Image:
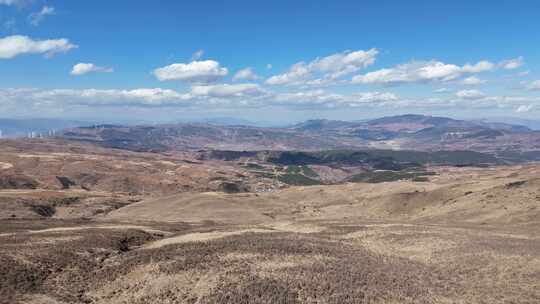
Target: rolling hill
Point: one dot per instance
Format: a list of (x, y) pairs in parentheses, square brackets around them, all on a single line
[(404, 132)]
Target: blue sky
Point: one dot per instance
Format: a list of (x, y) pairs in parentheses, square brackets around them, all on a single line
[(274, 61)]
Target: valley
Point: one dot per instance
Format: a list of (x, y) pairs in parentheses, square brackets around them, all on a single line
[(84, 223)]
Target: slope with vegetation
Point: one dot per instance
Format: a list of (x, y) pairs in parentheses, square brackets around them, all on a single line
[(413, 132)]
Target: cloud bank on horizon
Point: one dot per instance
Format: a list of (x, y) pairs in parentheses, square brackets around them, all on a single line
[(363, 80)]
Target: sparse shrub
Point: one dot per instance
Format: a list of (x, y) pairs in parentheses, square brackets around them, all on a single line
[(43, 210), (297, 180)]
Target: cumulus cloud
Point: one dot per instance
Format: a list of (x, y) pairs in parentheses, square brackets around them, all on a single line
[(13, 46), (197, 71), (85, 68), (421, 72), (344, 63), (481, 66), (245, 74), (473, 80), (326, 69), (36, 18), (512, 64), (296, 74), (470, 94), (410, 73)]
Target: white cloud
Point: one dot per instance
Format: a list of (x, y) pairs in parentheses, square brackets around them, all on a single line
[(155, 96), (238, 96), (36, 18), (410, 73), (245, 74), (441, 90), (13, 46), (470, 94), (524, 108), (473, 80), (296, 74), (421, 72), (222, 95), (307, 98), (512, 64), (84, 68), (534, 86), (344, 63), (371, 97), (321, 98), (98, 97), (481, 66), (228, 90), (198, 96), (197, 55), (197, 71), (328, 68)]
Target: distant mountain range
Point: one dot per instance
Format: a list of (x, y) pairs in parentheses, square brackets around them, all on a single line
[(409, 123), (404, 132), (531, 124)]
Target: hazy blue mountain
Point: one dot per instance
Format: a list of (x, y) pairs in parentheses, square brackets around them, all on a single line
[(529, 123)]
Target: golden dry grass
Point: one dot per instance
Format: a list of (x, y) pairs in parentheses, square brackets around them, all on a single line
[(468, 235)]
